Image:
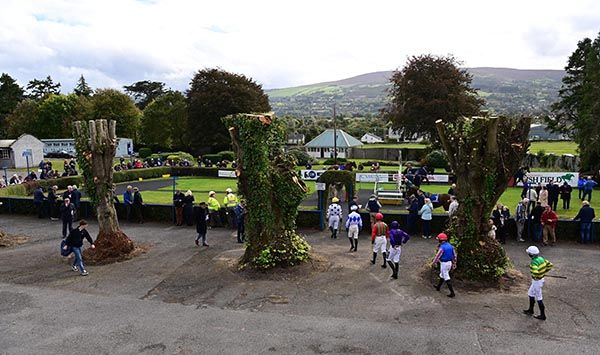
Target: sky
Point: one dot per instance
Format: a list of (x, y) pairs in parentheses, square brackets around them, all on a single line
[(278, 43)]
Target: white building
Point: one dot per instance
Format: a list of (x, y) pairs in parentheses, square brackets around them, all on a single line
[(67, 146), (322, 146), (394, 134), (370, 138), (295, 139), (17, 153)]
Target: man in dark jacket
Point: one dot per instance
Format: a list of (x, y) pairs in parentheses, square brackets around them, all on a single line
[(67, 210), (138, 203), (553, 193), (240, 215), (75, 242), (413, 215), (53, 202), (201, 216), (565, 195), (536, 221), (585, 215), (76, 200), (178, 203), (38, 201)]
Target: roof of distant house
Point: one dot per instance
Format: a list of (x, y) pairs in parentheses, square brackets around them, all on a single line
[(371, 135), (325, 139)]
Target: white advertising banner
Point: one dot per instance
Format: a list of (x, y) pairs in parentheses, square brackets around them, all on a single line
[(536, 178), (372, 177), (227, 174), (431, 177), (310, 174)]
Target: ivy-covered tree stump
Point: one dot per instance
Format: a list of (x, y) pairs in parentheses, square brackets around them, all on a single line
[(96, 144), (267, 180), (484, 153)]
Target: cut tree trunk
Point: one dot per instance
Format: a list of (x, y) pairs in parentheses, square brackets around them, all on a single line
[(111, 241), (484, 153)]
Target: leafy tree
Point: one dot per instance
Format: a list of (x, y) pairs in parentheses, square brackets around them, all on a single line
[(36, 89), (214, 94), (23, 119), (143, 92), (110, 104), (164, 122), (56, 114), (10, 95), (577, 112), (82, 88), (429, 88)]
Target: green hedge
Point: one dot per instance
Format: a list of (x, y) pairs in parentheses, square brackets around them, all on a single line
[(13, 190), (214, 158), (179, 155), (227, 155), (145, 152), (135, 174), (331, 161), (194, 171)]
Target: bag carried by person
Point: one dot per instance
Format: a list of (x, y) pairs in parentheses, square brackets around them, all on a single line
[(64, 252)]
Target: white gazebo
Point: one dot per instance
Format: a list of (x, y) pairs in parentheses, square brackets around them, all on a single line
[(322, 146)]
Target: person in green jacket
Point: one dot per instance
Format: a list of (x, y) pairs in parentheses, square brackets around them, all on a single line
[(213, 209), (538, 268)]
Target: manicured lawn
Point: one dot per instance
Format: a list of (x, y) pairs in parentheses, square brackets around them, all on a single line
[(395, 145), (558, 148)]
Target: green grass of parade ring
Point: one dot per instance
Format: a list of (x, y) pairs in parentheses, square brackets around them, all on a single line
[(200, 186)]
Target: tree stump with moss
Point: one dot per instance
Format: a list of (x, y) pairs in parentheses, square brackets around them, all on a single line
[(484, 153), (96, 147), (268, 181)]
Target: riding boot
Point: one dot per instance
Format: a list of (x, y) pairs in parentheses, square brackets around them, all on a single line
[(384, 261), (439, 285), (355, 244), (529, 311), (335, 234), (374, 258), (397, 266), (542, 315), (331, 230), (351, 244), (391, 264), (449, 283)]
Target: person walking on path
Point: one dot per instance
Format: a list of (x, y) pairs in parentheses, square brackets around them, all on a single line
[(240, 212), (334, 216), (75, 242), (178, 203), (353, 226), (380, 232), (202, 216), (521, 218), (426, 213), (447, 257), (138, 204), (373, 206), (38, 201), (565, 195), (67, 211), (213, 208), (188, 208), (585, 216), (128, 202), (549, 221), (230, 202), (588, 187), (398, 237), (538, 267)]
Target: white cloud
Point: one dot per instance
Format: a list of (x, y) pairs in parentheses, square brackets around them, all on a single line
[(278, 43)]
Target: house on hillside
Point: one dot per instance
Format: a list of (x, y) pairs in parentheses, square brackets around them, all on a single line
[(395, 134), (67, 146), (370, 138), (296, 139), (540, 132), (18, 153), (322, 146)]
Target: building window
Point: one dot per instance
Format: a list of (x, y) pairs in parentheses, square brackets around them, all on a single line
[(4, 153)]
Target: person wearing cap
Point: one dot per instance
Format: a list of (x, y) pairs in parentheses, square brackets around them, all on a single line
[(75, 242), (334, 216), (353, 226), (213, 209), (373, 206), (230, 202), (538, 267), (446, 256), (585, 216), (521, 218), (379, 234), (397, 238)]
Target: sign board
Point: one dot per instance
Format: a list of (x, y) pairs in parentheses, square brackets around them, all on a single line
[(227, 174), (372, 177), (321, 186), (310, 174), (27, 153), (536, 178)]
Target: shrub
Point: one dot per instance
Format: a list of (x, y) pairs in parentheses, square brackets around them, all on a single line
[(227, 155), (179, 156), (145, 152), (331, 161), (214, 158), (135, 174), (302, 157), (437, 159)]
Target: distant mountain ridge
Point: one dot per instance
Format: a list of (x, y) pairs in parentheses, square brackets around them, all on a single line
[(506, 91)]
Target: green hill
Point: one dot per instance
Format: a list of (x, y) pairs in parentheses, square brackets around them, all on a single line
[(506, 91)]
